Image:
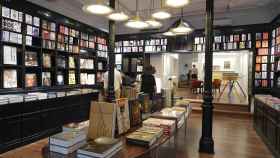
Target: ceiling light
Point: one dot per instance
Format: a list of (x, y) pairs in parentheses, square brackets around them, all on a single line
[(99, 7), (177, 3), (161, 15), (182, 28), (136, 23), (153, 23), (169, 33), (118, 16)]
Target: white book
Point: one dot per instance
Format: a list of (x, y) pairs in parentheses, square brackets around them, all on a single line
[(14, 14), (6, 36), (68, 150), (28, 19), (6, 12), (36, 21), (10, 55), (29, 30)]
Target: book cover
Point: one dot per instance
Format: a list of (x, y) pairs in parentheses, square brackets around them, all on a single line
[(10, 55), (30, 80), (10, 78), (72, 78), (123, 119), (94, 149), (31, 58), (91, 79), (46, 79), (60, 78), (102, 120), (71, 62), (46, 60), (83, 78), (60, 60), (6, 12)]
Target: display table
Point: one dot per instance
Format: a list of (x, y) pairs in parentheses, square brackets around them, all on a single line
[(131, 151), (28, 121), (267, 121)]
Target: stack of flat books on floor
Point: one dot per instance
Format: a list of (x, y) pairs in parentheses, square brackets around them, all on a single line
[(145, 136), (40, 95), (167, 125), (67, 142), (100, 148)]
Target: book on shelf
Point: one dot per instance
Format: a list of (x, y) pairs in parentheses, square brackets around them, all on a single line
[(91, 79), (46, 79), (71, 62), (6, 12), (46, 60), (94, 149), (83, 78), (72, 77), (30, 80), (9, 55), (123, 119), (60, 78), (60, 60), (10, 78), (31, 58), (100, 66), (102, 120)]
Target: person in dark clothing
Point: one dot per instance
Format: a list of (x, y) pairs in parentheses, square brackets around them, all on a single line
[(148, 84)]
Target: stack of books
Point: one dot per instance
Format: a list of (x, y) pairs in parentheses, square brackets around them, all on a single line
[(96, 149), (167, 125), (51, 95), (60, 94), (74, 92), (40, 96), (30, 97), (145, 136), (67, 142), (16, 98), (175, 112), (74, 127), (3, 100)]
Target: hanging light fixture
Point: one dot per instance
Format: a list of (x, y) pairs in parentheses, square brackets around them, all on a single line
[(182, 26), (152, 22), (99, 7), (177, 3), (161, 14), (118, 15), (169, 33), (136, 22)]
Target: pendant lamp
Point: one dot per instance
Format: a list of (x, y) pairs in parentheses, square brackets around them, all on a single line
[(99, 7), (176, 3), (182, 26), (152, 22), (136, 22), (161, 14), (118, 15)]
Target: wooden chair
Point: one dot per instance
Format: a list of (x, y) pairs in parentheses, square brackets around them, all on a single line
[(197, 85), (216, 85)]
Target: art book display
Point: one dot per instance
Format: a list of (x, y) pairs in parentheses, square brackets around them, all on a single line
[(102, 120), (123, 118), (9, 55), (10, 78)]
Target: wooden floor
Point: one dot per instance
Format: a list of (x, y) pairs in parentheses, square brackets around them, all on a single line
[(234, 138)]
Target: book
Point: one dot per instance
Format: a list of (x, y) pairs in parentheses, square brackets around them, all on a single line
[(68, 138), (60, 78), (10, 79), (31, 58), (72, 77), (141, 138), (94, 149), (60, 60), (91, 79), (30, 80), (68, 150), (100, 66), (123, 119), (83, 78), (102, 120), (71, 62), (9, 55), (46, 60), (6, 12), (46, 79)]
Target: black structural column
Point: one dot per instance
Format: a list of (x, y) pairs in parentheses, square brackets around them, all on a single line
[(111, 49), (206, 144)]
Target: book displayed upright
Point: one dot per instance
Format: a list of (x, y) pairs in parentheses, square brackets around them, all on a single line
[(10, 78), (9, 55)]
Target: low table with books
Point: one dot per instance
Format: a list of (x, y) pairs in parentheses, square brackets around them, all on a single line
[(142, 141)]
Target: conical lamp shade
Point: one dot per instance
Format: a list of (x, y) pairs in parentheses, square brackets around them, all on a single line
[(98, 7), (182, 28)]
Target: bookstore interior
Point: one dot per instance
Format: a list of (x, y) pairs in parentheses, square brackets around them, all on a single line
[(180, 63)]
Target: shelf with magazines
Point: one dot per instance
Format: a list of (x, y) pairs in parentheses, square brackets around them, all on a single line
[(41, 52), (275, 60)]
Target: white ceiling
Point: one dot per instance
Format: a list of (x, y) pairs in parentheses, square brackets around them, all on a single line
[(241, 11)]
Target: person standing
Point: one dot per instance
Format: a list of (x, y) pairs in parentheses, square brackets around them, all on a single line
[(117, 82), (194, 73), (148, 82)]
